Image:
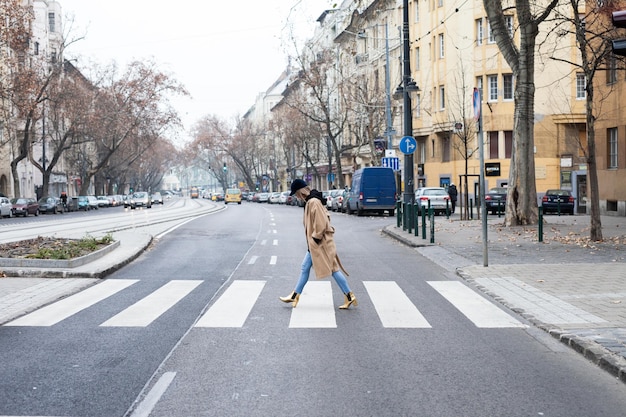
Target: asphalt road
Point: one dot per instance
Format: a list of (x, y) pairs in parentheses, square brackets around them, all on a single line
[(228, 346)]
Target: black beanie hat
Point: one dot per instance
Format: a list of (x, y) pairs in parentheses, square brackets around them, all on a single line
[(296, 185)]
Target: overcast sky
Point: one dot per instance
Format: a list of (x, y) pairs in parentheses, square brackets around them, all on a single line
[(224, 52)]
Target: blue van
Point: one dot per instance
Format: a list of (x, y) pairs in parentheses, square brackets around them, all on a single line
[(373, 190)]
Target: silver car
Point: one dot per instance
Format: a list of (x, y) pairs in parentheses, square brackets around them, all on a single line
[(140, 199), (437, 196), (6, 207)]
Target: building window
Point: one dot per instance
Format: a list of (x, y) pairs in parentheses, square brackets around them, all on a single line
[(51, 23), (611, 71), (508, 144), (36, 48), (492, 84), (508, 21), (418, 104), (440, 3), (507, 86), (491, 37), (581, 86), (442, 45), (53, 56), (417, 59), (493, 145), (445, 149), (479, 32), (417, 12), (612, 147), (442, 97), (479, 85)]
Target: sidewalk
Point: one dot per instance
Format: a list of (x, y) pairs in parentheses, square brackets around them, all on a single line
[(566, 285)]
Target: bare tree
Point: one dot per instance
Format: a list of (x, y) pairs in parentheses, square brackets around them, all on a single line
[(521, 202), (593, 32)]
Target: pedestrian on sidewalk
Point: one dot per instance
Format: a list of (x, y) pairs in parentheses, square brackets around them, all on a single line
[(322, 252), (453, 193)]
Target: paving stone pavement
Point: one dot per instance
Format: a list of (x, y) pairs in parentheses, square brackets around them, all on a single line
[(569, 286)]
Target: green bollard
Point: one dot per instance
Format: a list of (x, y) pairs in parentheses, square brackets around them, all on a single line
[(403, 215), (398, 214), (471, 209), (558, 205), (499, 208), (447, 209), (540, 224), (431, 215), (415, 216), (409, 216), (423, 223)]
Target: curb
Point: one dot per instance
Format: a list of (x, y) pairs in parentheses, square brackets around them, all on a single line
[(599, 355), (391, 233), (58, 263)]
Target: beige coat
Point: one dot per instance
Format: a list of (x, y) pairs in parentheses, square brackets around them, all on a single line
[(317, 225)]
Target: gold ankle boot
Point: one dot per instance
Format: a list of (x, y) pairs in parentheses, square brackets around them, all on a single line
[(349, 299), (293, 299)]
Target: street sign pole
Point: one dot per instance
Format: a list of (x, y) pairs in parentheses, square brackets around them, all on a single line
[(477, 102)]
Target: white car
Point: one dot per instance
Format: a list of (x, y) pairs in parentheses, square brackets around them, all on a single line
[(274, 198), (5, 207), (284, 196), (93, 202), (438, 197)]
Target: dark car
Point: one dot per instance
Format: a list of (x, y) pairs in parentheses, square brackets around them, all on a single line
[(25, 206), (495, 200), (52, 205), (558, 201)]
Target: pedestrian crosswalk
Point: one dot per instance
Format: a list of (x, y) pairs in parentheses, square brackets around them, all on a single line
[(316, 309)]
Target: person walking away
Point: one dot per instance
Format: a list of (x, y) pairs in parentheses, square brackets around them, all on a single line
[(322, 252), (453, 193)]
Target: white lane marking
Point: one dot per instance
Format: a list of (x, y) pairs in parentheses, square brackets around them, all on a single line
[(148, 309), (273, 260), (476, 308), (315, 308), (252, 260), (394, 308), (150, 401), (234, 306), (275, 242), (263, 242), (54, 313)]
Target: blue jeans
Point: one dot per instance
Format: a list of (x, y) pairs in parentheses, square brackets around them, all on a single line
[(307, 264)]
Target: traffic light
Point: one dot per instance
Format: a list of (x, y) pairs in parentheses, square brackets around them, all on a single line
[(225, 169), (619, 20)]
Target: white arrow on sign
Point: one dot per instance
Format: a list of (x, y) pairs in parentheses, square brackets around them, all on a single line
[(409, 145)]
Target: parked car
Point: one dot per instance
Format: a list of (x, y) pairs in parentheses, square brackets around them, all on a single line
[(24, 206), (80, 203), (103, 201), (495, 200), (140, 199), (558, 201), (337, 202), (157, 198), (332, 194), (6, 208), (263, 197), (284, 197), (274, 198), (373, 189), (93, 202), (438, 197), (52, 205), (233, 195)]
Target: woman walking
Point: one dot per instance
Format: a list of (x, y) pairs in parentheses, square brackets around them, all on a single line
[(322, 252)]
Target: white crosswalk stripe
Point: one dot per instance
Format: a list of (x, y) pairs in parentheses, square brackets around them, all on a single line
[(149, 308), (316, 308), (393, 306), (480, 311), (54, 313), (234, 306)]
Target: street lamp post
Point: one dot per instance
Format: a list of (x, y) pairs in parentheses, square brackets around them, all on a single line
[(408, 86)]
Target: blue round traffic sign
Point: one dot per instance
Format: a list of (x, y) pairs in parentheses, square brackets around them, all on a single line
[(408, 145)]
